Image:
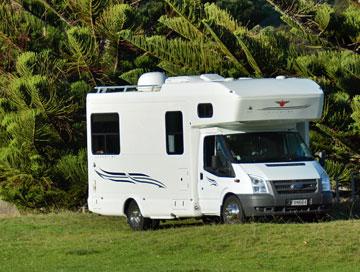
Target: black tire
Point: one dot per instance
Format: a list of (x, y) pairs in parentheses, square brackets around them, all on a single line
[(231, 211), (135, 219)]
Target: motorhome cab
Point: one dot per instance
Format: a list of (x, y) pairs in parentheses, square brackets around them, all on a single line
[(202, 146)]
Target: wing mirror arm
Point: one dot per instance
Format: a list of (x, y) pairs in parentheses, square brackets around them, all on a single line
[(320, 157)]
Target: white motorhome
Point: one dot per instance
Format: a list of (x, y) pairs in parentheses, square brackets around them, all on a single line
[(204, 146)]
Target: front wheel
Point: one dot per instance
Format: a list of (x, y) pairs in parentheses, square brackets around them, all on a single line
[(231, 211)]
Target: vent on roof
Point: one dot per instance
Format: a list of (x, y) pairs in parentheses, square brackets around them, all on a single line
[(211, 77), (179, 79)]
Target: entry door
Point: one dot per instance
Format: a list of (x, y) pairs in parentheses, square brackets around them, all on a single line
[(215, 173)]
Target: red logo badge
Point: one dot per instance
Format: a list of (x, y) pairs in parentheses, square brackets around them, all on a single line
[(282, 102)]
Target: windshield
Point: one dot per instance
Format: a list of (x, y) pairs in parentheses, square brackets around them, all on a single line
[(267, 147)]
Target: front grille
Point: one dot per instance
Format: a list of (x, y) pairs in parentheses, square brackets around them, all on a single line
[(299, 186)]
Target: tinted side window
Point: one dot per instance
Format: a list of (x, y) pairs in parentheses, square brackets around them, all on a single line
[(209, 151), (105, 137), (174, 132), (215, 159), (205, 110)]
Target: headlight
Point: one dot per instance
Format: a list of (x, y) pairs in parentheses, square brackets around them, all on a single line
[(258, 185), (325, 182)]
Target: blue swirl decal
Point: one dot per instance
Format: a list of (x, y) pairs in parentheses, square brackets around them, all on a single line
[(134, 178), (212, 181)]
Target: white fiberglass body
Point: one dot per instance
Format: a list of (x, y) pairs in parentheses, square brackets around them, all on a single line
[(179, 149)]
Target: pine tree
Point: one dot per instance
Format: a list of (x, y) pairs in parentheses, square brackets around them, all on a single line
[(54, 52), (328, 37), (205, 38), (70, 46)]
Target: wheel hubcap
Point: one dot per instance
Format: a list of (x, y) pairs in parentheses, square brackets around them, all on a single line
[(231, 213), (135, 217)]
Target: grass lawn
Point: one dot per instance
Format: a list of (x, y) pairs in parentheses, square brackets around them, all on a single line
[(88, 242)]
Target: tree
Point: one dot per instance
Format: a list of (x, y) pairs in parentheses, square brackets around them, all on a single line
[(54, 52), (35, 124), (319, 41), (70, 47), (204, 38), (329, 42)]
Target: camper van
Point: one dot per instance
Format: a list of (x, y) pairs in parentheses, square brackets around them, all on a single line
[(204, 146)]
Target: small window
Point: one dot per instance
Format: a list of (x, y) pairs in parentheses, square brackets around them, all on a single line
[(105, 137), (205, 110), (174, 133)]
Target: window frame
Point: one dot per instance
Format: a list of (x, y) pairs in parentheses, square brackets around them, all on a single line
[(105, 134), (167, 133), (199, 110), (218, 140)]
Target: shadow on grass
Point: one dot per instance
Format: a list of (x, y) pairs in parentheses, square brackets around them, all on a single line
[(181, 223), (82, 252), (344, 210)]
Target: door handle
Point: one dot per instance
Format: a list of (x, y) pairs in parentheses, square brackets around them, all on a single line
[(201, 176)]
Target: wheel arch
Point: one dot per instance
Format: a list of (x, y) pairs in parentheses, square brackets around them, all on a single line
[(127, 203), (225, 196), (228, 216), (225, 192)]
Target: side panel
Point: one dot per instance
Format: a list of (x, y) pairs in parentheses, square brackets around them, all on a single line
[(160, 183)]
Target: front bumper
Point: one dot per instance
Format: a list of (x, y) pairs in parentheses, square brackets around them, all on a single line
[(267, 204)]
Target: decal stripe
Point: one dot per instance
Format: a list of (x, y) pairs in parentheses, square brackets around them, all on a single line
[(114, 178), (287, 108), (212, 181), (147, 182), (133, 178), (122, 180), (113, 173), (109, 176), (146, 179), (138, 174)]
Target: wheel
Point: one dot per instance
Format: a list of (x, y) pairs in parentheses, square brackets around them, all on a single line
[(231, 211), (135, 219)]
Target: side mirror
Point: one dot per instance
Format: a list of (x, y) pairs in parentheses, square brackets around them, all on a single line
[(320, 156)]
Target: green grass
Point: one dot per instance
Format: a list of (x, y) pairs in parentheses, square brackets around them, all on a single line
[(88, 242)]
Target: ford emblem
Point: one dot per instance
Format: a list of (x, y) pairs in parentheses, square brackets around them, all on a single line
[(296, 186)]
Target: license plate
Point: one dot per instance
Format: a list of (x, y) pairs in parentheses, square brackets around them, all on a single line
[(299, 202)]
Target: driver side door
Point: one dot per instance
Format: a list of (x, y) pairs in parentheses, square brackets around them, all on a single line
[(215, 173)]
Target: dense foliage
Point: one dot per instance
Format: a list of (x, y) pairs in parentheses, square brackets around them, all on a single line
[(53, 52)]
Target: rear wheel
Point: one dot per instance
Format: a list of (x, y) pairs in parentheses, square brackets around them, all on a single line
[(231, 211), (135, 219)]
